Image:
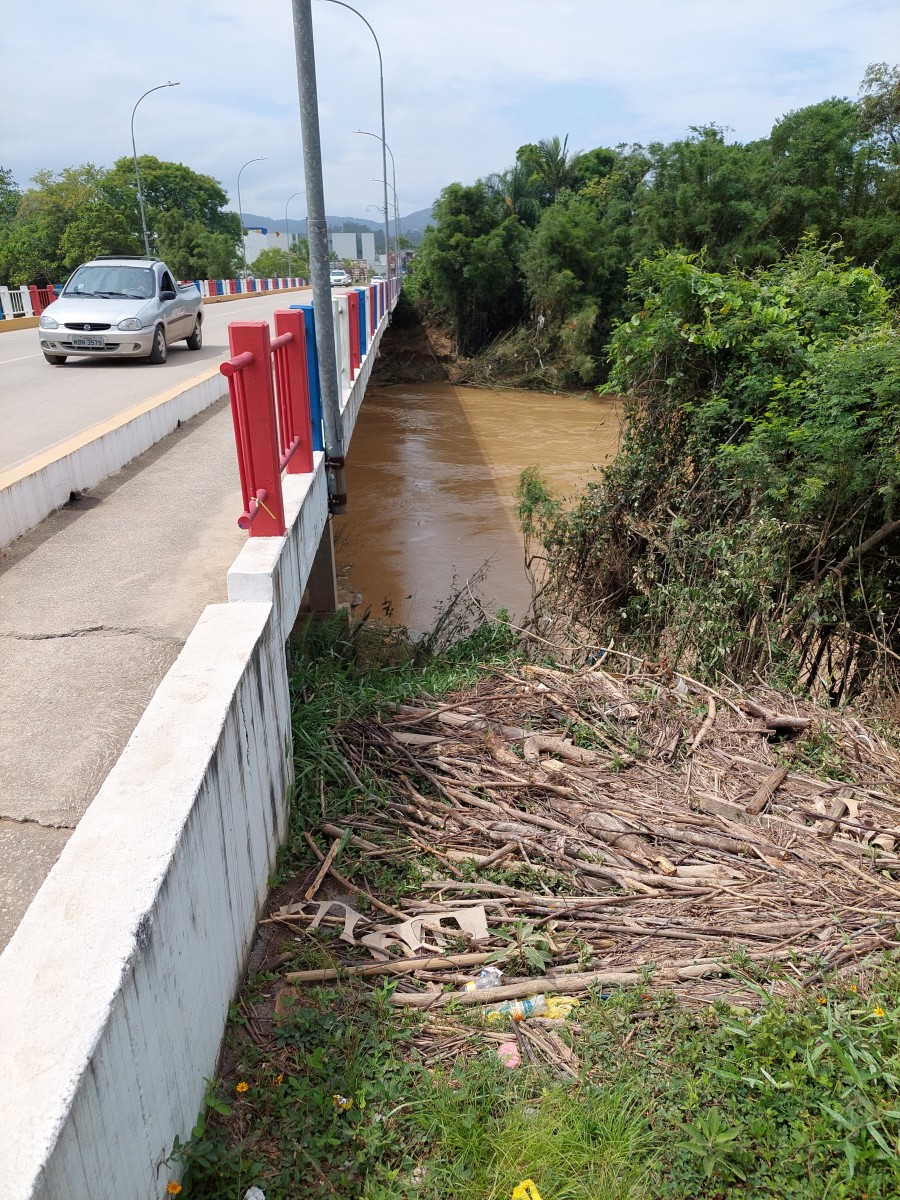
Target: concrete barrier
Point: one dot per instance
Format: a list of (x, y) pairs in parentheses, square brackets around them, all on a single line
[(114, 990), (36, 488), (116, 984)]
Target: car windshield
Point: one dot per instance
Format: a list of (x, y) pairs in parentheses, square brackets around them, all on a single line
[(102, 280)]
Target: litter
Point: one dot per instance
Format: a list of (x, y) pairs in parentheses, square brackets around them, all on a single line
[(557, 1008), (517, 1010), (508, 1053), (487, 977), (526, 1191)]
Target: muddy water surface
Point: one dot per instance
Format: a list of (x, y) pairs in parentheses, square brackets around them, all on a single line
[(431, 478)]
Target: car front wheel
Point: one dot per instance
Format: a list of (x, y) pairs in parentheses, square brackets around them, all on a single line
[(55, 360), (195, 341), (160, 351)]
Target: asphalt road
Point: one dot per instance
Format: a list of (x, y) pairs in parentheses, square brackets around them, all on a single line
[(42, 406)]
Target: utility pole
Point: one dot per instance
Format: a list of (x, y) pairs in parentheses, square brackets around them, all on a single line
[(317, 234)]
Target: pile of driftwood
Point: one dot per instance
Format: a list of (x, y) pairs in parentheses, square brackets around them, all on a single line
[(667, 835)]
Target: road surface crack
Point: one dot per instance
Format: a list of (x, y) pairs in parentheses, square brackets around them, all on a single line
[(103, 630)]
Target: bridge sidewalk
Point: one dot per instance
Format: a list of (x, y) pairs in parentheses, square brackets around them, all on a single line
[(95, 605)]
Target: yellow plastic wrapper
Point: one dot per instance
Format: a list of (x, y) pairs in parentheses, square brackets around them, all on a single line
[(526, 1191), (559, 1007)]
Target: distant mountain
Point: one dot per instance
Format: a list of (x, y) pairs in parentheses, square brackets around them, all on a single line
[(412, 226)]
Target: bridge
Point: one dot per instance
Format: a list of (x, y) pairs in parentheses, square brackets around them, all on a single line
[(146, 732)]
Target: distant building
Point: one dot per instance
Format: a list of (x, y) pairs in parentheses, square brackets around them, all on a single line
[(343, 245), (258, 239), (354, 246)]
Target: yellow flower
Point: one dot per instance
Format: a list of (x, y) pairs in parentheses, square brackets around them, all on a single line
[(341, 1102), (242, 1087), (852, 987), (821, 1000), (877, 1011), (279, 1079), (173, 1188)]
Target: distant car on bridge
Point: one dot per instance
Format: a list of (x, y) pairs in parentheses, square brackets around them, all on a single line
[(340, 278), (119, 306)]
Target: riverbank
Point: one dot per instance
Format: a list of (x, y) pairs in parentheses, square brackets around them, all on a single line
[(673, 857)]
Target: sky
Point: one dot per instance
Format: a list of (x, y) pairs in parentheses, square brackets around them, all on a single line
[(466, 83)]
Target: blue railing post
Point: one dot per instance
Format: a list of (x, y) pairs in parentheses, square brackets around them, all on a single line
[(312, 370), (363, 322)]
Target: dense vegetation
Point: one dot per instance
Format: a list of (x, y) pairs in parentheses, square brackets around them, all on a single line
[(739, 298), (546, 245), (749, 521), (69, 216)]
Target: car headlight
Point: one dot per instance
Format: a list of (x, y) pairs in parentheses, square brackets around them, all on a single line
[(48, 322), (130, 323)]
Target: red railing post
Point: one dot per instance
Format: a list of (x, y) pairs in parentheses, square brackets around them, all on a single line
[(258, 440), (297, 421), (353, 311)]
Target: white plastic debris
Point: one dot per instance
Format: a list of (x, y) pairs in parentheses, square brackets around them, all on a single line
[(254, 1193)]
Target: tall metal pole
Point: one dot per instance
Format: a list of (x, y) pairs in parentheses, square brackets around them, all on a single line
[(396, 223), (287, 230), (396, 201), (317, 235), (387, 217), (137, 169), (241, 211)]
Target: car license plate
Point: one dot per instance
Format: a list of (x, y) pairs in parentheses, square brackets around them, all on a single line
[(86, 343)]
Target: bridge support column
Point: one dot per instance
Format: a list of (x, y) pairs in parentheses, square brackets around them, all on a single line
[(322, 586)]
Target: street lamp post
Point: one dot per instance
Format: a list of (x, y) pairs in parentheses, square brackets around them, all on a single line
[(396, 225), (241, 211), (287, 230), (137, 169), (396, 203), (387, 235)]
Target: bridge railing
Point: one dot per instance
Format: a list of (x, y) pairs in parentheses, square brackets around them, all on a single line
[(24, 301), (211, 288), (268, 382), (274, 388)]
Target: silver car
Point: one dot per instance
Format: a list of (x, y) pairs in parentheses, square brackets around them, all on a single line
[(121, 307)]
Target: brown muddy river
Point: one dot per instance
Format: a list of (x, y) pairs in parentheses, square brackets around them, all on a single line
[(431, 479)]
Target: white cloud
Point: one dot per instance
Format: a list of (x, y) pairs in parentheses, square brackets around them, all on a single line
[(465, 83)]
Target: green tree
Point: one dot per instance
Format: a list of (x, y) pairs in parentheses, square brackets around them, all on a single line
[(59, 221), (550, 165), (516, 189), (879, 108), (272, 263), (576, 263), (468, 265), (704, 192), (819, 174), (192, 250), (9, 196)]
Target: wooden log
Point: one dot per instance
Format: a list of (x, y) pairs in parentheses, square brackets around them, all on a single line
[(766, 791), (836, 810), (354, 840), (705, 727), (403, 966)]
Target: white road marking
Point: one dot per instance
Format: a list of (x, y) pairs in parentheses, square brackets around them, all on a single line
[(21, 358)]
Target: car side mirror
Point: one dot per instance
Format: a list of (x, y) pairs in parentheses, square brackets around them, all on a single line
[(167, 294)]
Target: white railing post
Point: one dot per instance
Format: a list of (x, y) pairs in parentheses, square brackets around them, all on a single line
[(341, 311), (5, 302), (27, 308)]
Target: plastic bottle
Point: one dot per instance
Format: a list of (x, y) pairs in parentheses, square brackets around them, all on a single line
[(518, 1010), (487, 977)]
